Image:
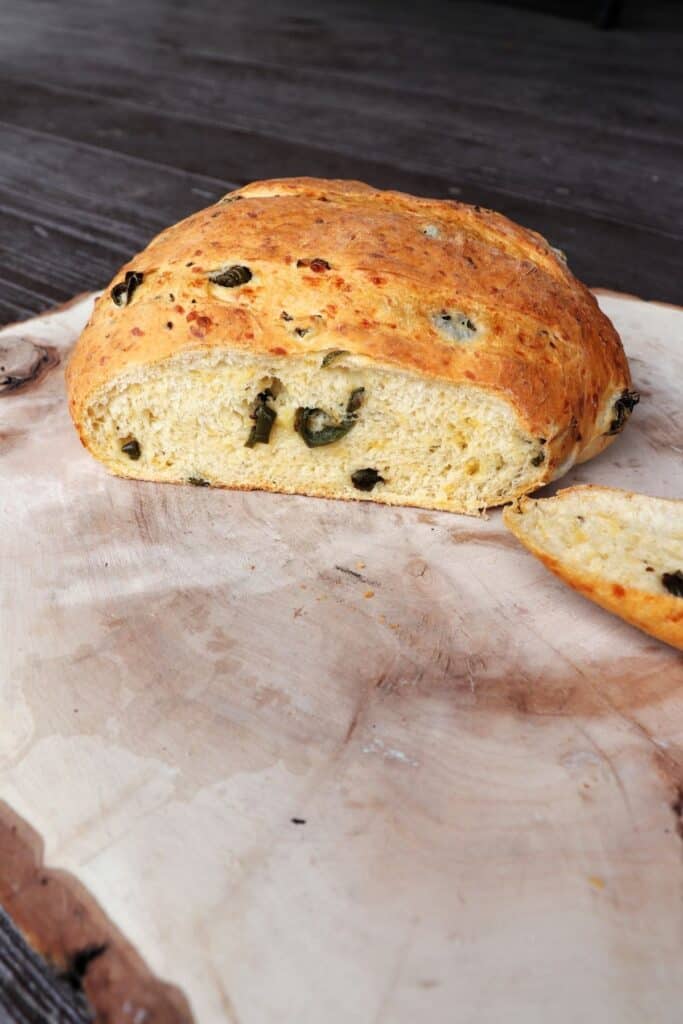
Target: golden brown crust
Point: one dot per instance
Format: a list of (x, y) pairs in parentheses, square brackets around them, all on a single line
[(544, 344), (660, 615)]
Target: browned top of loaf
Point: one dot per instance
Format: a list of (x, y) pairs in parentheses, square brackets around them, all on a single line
[(544, 343)]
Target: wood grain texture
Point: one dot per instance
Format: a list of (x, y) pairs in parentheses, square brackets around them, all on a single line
[(321, 761), (40, 996), (117, 120)]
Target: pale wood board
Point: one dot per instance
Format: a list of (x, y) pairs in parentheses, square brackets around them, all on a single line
[(485, 762)]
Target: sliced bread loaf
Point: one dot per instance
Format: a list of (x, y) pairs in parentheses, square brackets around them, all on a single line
[(328, 338)]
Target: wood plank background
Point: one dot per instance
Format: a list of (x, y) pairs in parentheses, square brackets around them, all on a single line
[(39, 996), (116, 119)]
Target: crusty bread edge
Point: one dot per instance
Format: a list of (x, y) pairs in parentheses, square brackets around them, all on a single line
[(659, 615), (325, 494)]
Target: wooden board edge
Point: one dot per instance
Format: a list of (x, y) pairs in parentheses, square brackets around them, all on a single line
[(610, 293), (65, 926), (62, 307)]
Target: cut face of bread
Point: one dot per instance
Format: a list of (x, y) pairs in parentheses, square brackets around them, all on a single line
[(284, 424), (327, 338), (622, 550)]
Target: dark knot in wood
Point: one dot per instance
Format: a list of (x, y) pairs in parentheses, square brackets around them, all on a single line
[(24, 362)]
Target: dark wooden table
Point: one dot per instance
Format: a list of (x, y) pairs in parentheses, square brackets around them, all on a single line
[(117, 119)]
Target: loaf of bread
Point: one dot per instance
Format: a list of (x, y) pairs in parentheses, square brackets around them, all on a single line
[(622, 550), (328, 338)]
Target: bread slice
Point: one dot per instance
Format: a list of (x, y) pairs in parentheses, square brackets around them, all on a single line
[(328, 338), (622, 550)]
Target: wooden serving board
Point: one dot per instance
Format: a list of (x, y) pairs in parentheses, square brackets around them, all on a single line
[(332, 762)]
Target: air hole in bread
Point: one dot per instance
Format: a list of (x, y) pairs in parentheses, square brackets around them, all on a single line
[(272, 384)]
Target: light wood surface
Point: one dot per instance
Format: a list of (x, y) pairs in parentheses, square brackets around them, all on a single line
[(485, 766)]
